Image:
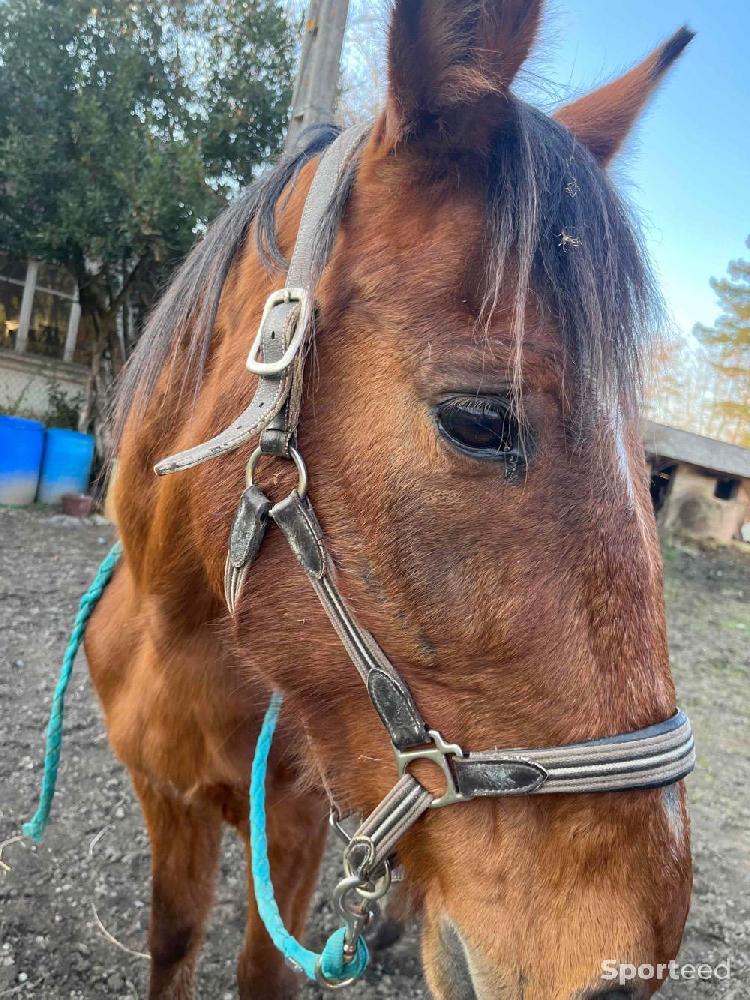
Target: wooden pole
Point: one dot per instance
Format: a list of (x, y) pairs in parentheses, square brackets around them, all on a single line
[(318, 78)]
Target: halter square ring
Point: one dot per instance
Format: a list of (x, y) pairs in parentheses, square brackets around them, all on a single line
[(437, 752), (280, 297)]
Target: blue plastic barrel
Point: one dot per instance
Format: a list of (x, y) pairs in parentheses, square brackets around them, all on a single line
[(20, 457), (66, 465)]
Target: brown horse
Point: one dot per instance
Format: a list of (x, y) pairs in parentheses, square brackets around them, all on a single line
[(470, 424)]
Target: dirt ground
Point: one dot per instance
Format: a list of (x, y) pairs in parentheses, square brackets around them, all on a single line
[(60, 902)]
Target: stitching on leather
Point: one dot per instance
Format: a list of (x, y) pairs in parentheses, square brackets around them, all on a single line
[(319, 574)]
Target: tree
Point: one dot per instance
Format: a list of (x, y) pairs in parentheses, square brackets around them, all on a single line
[(728, 345), (123, 128)]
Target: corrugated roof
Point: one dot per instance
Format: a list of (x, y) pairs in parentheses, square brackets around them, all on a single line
[(683, 446)]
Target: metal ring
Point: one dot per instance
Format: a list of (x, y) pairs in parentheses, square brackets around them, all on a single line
[(380, 886), (299, 464), (332, 984)]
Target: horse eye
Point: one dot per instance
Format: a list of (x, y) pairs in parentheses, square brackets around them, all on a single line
[(481, 427)]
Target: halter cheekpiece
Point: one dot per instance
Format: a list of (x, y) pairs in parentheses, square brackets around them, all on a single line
[(646, 758)]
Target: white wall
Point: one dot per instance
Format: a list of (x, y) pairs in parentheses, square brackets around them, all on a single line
[(25, 381)]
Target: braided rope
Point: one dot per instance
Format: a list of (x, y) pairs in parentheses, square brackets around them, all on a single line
[(332, 965), (36, 825)]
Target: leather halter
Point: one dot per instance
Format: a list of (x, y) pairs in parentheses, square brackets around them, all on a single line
[(645, 758)]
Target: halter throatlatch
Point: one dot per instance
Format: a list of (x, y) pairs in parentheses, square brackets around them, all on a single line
[(646, 758)]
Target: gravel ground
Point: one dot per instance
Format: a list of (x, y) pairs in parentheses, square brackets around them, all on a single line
[(60, 902)]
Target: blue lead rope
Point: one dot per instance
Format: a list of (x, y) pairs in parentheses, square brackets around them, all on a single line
[(332, 965), (331, 961), (35, 827)]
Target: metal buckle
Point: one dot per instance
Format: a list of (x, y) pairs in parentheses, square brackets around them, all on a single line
[(438, 753), (278, 298)]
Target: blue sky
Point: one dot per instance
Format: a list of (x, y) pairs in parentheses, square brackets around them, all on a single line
[(687, 169)]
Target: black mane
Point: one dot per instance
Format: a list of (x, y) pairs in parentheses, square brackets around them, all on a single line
[(553, 213)]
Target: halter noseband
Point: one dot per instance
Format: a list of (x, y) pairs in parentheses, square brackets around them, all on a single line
[(646, 758)]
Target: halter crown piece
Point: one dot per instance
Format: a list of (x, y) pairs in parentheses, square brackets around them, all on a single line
[(646, 758)]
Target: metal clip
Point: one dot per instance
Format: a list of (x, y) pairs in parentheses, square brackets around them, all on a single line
[(356, 916), (438, 754), (280, 297), (335, 823)]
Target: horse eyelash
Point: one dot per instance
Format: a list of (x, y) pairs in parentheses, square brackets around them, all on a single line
[(480, 405)]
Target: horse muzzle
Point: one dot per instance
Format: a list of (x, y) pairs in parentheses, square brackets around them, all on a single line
[(456, 971)]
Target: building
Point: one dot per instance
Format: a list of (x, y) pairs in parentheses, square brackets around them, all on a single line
[(44, 350), (700, 487)]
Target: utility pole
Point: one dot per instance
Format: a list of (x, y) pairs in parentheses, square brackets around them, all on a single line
[(318, 77)]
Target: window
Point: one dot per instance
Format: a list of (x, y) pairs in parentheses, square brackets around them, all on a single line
[(726, 489), (50, 315), (10, 311), (57, 279), (39, 310), (13, 269), (12, 280)]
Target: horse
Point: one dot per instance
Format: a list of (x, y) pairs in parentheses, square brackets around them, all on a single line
[(482, 319)]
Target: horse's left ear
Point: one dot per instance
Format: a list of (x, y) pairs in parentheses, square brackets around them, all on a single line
[(450, 67), (602, 119)]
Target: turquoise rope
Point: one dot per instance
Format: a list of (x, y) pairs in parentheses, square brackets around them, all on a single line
[(331, 960), (35, 827)]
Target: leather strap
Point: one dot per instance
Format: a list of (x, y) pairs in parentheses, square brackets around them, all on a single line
[(376, 838), (287, 319), (647, 758), (388, 693), (245, 539)]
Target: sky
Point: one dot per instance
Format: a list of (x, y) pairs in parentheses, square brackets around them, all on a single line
[(687, 167)]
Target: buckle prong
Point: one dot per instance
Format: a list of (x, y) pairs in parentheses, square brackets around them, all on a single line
[(278, 298)]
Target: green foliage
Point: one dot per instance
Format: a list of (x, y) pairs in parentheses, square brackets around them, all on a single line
[(728, 345), (123, 127), (246, 111), (62, 410)]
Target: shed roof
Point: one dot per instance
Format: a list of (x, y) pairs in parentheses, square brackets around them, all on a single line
[(683, 446)]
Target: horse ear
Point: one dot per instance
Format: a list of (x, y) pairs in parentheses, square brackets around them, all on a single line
[(450, 66), (602, 119)]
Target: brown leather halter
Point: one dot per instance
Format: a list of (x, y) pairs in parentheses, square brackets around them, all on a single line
[(645, 758)]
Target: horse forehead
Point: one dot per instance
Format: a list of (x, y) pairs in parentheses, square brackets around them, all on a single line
[(431, 232), (418, 255)]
